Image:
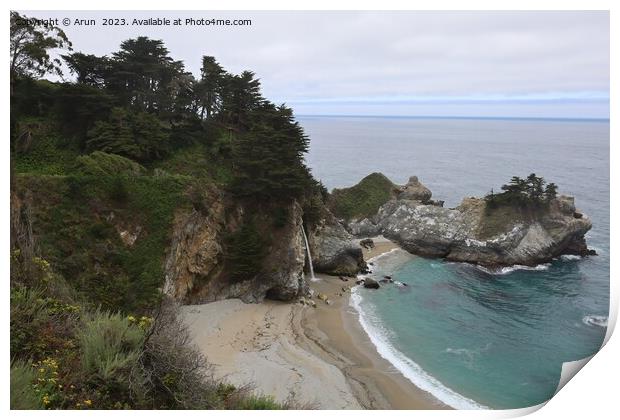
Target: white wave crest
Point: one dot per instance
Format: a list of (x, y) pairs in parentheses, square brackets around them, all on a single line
[(570, 257), (507, 270), (384, 254), (595, 320)]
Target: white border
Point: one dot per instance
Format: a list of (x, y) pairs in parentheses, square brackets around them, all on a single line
[(592, 394)]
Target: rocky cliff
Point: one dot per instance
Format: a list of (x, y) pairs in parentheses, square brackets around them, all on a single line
[(196, 269), (473, 233), (334, 250)]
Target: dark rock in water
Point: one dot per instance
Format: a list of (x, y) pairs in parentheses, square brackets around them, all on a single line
[(591, 251), (387, 277), (358, 282), (370, 283), (371, 263), (578, 246), (365, 270), (384, 281), (367, 243)]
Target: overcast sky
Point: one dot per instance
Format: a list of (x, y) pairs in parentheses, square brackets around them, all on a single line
[(523, 64)]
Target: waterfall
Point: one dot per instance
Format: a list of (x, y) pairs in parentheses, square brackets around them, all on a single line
[(303, 230)]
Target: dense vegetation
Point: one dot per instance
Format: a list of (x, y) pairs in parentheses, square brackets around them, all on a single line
[(108, 158), (521, 200), (529, 193), (362, 199)]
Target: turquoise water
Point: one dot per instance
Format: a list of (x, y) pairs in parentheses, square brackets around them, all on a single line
[(472, 337)]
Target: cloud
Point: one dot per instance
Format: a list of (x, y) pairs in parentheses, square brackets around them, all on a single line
[(308, 58)]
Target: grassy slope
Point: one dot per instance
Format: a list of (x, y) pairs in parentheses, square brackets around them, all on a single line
[(76, 232), (363, 199), (80, 202)]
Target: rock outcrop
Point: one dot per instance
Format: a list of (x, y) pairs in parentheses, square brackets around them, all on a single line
[(334, 250), (470, 233), (414, 190), (195, 267)]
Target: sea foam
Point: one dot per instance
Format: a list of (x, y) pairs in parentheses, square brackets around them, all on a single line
[(507, 270), (570, 257), (595, 320), (410, 370)]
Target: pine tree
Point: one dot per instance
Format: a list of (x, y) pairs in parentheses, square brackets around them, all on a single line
[(209, 88), (268, 158), (245, 251), (136, 135), (551, 191)]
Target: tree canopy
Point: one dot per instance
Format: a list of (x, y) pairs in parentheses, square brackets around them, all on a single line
[(532, 191), (30, 44), (141, 103)]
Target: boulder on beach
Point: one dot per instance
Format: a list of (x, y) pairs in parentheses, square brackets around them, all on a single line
[(370, 283), (367, 243)]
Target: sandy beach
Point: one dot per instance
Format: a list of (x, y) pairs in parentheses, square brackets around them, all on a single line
[(319, 356)]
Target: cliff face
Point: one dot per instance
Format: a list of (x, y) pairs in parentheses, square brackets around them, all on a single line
[(196, 270), (470, 233)]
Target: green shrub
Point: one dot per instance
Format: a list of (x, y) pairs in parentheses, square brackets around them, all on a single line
[(259, 403), (23, 393), (44, 153), (102, 164), (28, 316), (110, 345), (119, 192)]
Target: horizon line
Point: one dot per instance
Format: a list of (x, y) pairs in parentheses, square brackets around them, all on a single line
[(457, 117)]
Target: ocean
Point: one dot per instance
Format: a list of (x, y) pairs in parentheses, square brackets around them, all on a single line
[(472, 337)]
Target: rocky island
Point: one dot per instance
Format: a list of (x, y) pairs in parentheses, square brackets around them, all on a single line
[(472, 232)]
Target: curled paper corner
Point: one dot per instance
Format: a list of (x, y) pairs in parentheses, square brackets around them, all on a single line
[(570, 369), (517, 412), (611, 323)]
